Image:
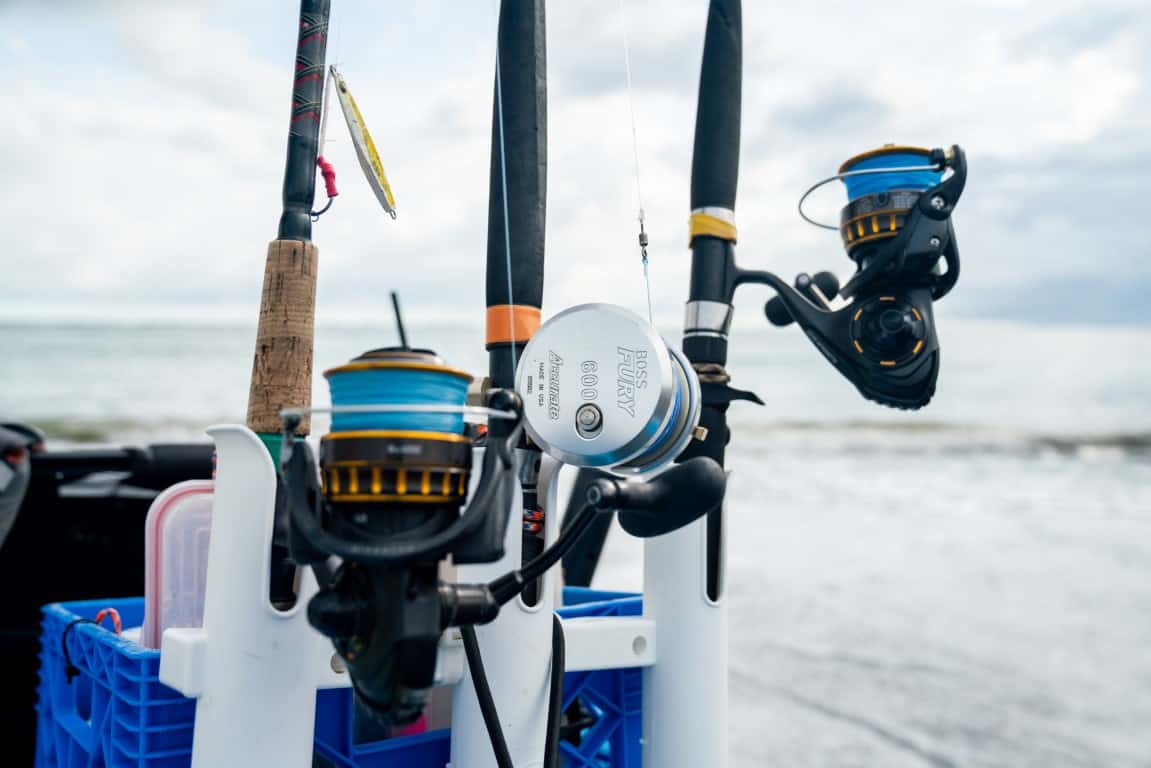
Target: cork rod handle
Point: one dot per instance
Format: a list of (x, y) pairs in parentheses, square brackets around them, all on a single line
[(282, 366)]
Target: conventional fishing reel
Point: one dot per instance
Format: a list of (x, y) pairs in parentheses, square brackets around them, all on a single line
[(394, 474), (602, 389), (878, 330)]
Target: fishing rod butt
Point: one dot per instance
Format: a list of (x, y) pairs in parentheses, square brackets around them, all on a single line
[(282, 363)]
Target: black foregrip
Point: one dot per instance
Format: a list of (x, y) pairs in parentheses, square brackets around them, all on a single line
[(715, 156), (304, 130), (522, 82)]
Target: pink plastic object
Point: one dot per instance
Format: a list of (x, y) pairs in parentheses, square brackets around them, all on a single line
[(176, 537), (328, 171)]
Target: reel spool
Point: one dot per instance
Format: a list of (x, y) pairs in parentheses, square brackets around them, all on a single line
[(602, 389), (883, 186), (388, 472)]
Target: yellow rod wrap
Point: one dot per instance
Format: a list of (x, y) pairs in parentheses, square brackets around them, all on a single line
[(710, 226)]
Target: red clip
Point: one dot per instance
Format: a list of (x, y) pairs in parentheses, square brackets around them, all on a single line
[(117, 627), (329, 174)]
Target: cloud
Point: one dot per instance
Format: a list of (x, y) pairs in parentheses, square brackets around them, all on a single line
[(144, 151)]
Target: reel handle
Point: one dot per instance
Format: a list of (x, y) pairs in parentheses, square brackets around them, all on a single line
[(665, 503), (819, 289)]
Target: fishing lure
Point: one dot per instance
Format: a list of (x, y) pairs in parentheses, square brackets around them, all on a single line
[(362, 141)]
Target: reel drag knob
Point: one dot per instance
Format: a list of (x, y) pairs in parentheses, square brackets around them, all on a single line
[(602, 389)]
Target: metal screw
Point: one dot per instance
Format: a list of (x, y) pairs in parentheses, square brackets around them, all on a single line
[(935, 241), (938, 203), (589, 420)]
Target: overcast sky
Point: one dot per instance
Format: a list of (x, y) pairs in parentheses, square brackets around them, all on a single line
[(141, 152)]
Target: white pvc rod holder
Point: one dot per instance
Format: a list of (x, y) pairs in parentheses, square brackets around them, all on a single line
[(253, 670), (685, 694)]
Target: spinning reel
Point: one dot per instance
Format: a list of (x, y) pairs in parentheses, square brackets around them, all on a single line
[(394, 475), (897, 229)]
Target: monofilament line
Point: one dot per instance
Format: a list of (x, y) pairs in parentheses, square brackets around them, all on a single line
[(635, 157)]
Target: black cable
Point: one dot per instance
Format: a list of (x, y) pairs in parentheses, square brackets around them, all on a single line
[(556, 700), (484, 697), (70, 669)]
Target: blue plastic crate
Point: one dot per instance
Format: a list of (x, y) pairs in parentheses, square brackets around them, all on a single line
[(117, 714), (613, 696)]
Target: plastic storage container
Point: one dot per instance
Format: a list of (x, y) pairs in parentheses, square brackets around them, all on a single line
[(117, 714), (176, 536)]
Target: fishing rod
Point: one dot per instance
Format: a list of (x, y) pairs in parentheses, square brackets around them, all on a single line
[(285, 334), (282, 364)]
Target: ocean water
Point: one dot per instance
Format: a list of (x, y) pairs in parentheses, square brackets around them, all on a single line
[(969, 585)]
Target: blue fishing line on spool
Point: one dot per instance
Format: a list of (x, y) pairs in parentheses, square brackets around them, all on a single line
[(397, 386), (673, 418), (874, 183)]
